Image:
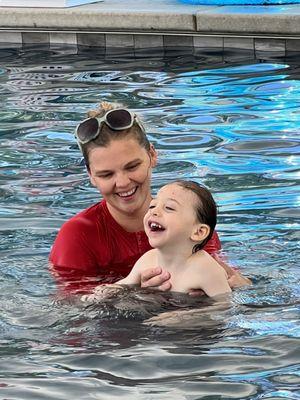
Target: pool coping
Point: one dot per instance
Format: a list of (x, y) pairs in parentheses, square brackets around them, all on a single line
[(160, 23)]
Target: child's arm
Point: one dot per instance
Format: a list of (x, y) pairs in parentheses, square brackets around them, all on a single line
[(105, 291), (134, 276)]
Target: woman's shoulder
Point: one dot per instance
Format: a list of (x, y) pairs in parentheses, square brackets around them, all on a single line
[(86, 217)]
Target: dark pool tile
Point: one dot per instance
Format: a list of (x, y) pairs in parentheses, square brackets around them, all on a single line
[(269, 45), (293, 45), (91, 39), (148, 41), (149, 52), (178, 41), (118, 40), (61, 38), (238, 55), (208, 42), (36, 38), (14, 39), (239, 43)]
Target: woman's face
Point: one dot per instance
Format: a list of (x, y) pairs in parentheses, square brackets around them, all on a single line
[(121, 172)]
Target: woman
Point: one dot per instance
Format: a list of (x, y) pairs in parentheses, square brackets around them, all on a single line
[(103, 242)]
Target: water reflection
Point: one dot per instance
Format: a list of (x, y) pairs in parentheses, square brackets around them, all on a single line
[(233, 126)]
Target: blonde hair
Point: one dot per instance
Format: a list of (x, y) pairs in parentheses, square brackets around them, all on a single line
[(103, 108)]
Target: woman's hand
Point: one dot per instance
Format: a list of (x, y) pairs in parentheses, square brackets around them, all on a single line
[(235, 278), (156, 278), (238, 280)]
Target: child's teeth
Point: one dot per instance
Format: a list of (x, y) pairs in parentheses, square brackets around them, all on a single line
[(155, 225)]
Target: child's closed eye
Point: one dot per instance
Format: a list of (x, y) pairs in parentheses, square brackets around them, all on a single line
[(170, 208)]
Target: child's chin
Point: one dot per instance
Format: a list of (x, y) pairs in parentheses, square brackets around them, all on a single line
[(154, 243)]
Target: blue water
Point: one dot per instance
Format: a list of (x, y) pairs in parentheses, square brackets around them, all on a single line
[(233, 124), (239, 2)]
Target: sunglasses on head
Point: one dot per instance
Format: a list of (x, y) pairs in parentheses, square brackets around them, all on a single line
[(117, 120)]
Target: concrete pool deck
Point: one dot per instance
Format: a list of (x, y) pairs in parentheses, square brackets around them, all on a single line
[(156, 23)]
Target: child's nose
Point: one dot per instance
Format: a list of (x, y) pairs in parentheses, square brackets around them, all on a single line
[(155, 211)]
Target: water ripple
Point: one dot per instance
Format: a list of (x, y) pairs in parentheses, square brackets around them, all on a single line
[(235, 127)]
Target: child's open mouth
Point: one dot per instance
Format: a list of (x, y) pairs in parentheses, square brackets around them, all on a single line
[(155, 227)]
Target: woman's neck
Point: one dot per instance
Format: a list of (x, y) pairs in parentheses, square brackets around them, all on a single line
[(131, 222)]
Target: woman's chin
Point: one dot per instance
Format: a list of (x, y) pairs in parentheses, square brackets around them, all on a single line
[(129, 207)]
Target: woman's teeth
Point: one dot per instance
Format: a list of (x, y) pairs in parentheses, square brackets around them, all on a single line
[(126, 194)]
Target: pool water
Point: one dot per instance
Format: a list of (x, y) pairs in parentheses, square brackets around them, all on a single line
[(235, 126), (239, 2)]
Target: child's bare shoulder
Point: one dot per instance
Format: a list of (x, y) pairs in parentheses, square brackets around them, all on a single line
[(201, 260), (200, 257), (147, 259)]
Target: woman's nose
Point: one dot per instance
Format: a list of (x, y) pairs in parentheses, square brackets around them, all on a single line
[(122, 180)]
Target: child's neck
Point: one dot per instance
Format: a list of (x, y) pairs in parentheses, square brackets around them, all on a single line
[(172, 258)]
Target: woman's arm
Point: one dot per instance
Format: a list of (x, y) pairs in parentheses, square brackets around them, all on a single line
[(235, 278), (72, 248)]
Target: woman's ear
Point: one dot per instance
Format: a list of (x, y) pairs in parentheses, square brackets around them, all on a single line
[(200, 232), (153, 156)]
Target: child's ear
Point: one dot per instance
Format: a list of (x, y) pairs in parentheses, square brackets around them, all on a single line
[(200, 232)]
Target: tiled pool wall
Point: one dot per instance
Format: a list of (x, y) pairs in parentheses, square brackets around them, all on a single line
[(281, 46)]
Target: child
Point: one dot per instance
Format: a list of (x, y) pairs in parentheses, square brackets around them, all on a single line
[(179, 222)]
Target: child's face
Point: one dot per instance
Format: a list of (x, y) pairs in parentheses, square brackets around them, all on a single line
[(171, 217)]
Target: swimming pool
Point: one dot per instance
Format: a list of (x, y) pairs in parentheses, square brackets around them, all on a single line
[(229, 120)]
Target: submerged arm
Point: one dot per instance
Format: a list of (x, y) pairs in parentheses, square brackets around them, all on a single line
[(102, 292), (235, 278)]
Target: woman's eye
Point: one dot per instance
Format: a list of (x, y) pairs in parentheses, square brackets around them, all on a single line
[(106, 176), (134, 166)]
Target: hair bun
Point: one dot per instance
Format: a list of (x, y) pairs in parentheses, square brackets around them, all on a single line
[(103, 108), (106, 106)]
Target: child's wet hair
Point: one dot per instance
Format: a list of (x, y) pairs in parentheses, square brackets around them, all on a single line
[(206, 209), (107, 134)]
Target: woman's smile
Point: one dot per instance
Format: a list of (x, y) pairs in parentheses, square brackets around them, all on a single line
[(127, 195)]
